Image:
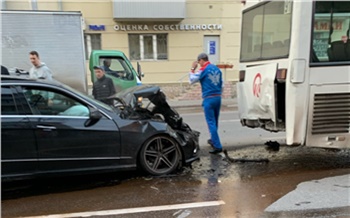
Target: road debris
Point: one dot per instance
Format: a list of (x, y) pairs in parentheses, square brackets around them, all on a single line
[(243, 160)]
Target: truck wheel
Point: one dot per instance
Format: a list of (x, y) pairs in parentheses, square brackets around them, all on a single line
[(160, 155)]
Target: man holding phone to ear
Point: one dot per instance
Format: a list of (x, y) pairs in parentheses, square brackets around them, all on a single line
[(210, 78)]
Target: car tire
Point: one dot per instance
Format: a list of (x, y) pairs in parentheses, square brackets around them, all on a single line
[(160, 155)]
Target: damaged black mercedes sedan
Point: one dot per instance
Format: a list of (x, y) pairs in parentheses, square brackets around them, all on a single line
[(49, 129)]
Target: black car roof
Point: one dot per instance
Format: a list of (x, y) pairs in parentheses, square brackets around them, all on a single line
[(13, 78)]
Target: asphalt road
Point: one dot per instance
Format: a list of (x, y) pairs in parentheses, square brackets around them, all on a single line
[(231, 131), (296, 182)]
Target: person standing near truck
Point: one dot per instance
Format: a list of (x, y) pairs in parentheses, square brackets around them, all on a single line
[(39, 69), (103, 87), (210, 78)]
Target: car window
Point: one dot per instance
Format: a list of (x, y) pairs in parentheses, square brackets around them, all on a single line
[(90, 97), (8, 105), (49, 102), (116, 67)]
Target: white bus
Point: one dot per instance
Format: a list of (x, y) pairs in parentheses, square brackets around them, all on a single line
[(294, 70)]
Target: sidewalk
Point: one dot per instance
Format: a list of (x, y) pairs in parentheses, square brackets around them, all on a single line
[(328, 196), (226, 103)]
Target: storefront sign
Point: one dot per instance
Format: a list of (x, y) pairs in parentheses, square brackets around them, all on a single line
[(212, 47), (97, 27), (172, 27)]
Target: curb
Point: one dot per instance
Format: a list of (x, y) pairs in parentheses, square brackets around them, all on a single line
[(233, 107)]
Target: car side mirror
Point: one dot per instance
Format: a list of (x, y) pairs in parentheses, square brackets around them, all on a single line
[(94, 116)]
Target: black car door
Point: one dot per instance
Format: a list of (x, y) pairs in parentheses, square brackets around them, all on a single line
[(18, 147), (65, 143)]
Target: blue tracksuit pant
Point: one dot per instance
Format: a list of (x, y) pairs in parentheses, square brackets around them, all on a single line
[(211, 107)]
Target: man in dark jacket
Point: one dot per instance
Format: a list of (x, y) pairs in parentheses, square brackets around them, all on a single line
[(103, 87)]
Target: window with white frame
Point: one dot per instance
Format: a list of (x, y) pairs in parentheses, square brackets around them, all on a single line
[(92, 42), (148, 46)]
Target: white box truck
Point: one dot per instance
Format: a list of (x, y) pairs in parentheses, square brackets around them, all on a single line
[(59, 39), (56, 36)]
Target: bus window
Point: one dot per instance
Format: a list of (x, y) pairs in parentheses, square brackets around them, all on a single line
[(330, 41), (266, 31)]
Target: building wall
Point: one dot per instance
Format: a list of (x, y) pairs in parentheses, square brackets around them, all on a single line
[(183, 45)]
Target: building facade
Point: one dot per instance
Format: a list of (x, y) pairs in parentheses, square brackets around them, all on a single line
[(164, 36)]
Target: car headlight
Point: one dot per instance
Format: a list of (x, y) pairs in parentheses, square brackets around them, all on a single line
[(139, 101)]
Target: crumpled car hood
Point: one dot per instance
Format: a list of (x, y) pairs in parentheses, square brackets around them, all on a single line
[(151, 92)]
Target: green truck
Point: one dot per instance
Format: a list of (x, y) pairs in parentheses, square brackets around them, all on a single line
[(117, 66)]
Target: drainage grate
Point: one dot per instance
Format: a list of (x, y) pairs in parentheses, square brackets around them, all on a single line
[(331, 113)]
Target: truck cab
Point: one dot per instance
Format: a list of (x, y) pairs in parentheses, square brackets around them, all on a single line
[(117, 66)]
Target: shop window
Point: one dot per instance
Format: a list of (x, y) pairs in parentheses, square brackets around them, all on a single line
[(148, 46), (92, 42)]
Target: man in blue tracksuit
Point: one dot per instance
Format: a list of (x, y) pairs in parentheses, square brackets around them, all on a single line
[(210, 78)]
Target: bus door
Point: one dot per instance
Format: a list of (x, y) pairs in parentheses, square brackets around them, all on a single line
[(257, 96)]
